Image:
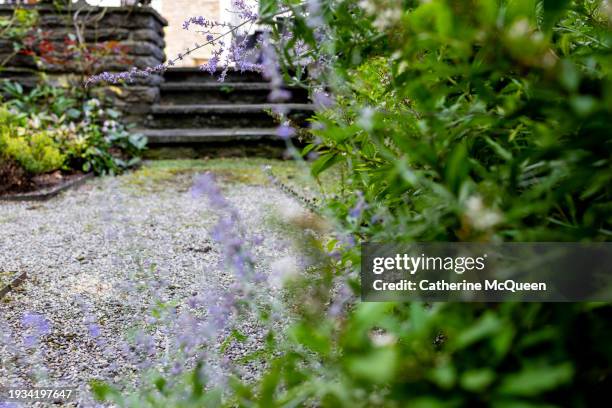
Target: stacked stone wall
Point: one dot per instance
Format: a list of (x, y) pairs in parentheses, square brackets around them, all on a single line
[(126, 36)]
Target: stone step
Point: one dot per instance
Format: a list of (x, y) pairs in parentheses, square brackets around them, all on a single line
[(195, 74), (229, 109), (207, 86), (223, 115), (187, 93), (193, 136)]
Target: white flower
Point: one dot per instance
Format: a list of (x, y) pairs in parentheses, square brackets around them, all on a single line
[(382, 339), (387, 18), (368, 6), (480, 217), (93, 102)]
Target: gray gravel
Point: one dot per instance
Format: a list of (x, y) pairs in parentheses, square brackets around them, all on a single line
[(91, 255)]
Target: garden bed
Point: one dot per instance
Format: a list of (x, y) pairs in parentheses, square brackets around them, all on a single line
[(46, 186)]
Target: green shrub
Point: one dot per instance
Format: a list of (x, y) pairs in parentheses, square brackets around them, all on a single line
[(461, 117), (457, 121), (454, 120), (89, 134), (36, 153)]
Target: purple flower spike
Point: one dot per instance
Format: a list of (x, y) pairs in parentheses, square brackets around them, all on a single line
[(279, 95), (205, 185), (36, 326), (322, 100), (359, 207), (36, 322), (94, 330), (285, 132)]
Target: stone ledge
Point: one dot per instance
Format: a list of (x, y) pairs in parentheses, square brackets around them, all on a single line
[(48, 9), (186, 136)]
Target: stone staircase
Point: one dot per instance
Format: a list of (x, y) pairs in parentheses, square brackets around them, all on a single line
[(196, 114)]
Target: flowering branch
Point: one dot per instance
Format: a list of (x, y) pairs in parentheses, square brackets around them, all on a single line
[(134, 73)]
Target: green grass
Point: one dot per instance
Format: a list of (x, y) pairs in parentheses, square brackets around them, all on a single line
[(158, 175)]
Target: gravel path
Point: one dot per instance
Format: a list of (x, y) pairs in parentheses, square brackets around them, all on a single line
[(92, 255)]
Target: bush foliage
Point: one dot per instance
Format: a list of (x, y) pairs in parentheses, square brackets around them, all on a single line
[(450, 120), (476, 122), (51, 128)]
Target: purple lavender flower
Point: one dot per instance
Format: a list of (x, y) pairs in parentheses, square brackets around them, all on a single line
[(322, 100), (239, 53), (200, 21), (218, 316), (36, 325), (177, 368), (342, 298), (211, 66), (313, 7), (94, 330), (359, 207), (285, 132), (244, 11), (145, 343), (36, 322), (312, 156), (223, 74), (127, 76), (235, 253), (279, 95), (205, 185), (281, 110), (191, 333), (227, 231)]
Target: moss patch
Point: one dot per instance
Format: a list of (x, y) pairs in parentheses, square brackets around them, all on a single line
[(177, 175)]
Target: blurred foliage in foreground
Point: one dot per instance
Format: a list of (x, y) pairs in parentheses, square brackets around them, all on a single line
[(456, 121)]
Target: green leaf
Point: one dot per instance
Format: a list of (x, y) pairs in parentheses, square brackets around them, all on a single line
[(583, 104), (532, 381), (477, 380), (486, 326), (113, 113), (102, 391), (73, 113), (498, 149), (316, 339), (553, 10), (457, 167), (324, 162), (377, 366), (308, 149), (212, 399), (444, 375), (267, 8), (160, 384)]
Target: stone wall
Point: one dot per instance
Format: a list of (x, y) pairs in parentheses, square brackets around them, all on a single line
[(125, 37)]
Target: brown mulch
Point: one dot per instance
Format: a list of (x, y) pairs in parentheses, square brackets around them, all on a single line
[(14, 180)]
